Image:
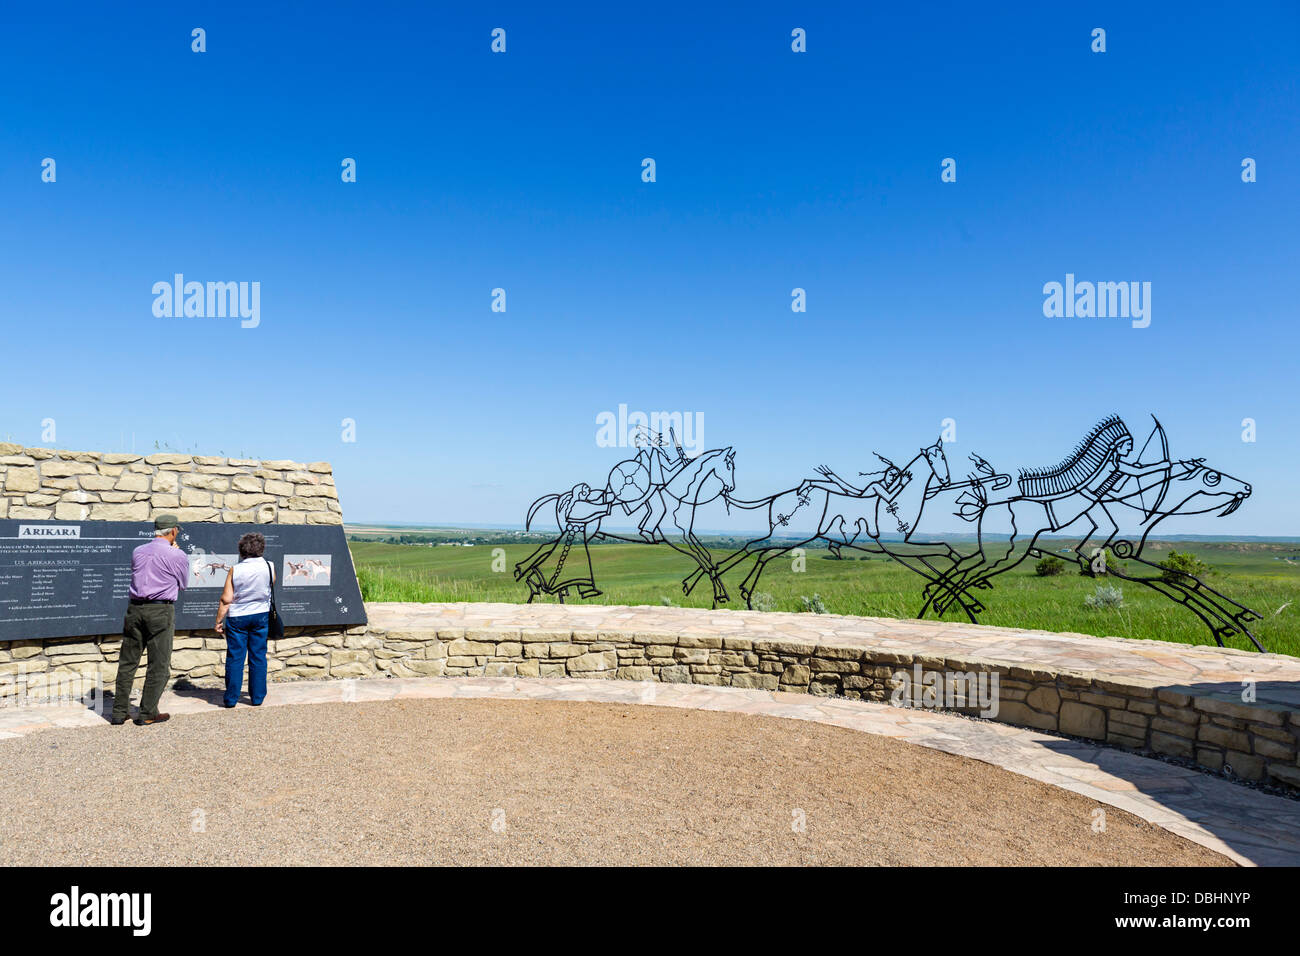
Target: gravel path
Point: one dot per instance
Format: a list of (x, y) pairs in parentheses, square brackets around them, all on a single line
[(513, 782)]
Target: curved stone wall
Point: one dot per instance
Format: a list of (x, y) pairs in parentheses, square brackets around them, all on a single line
[(1199, 720)]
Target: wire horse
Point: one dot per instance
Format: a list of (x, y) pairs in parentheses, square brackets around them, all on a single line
[(667, 489), (1100, 478)]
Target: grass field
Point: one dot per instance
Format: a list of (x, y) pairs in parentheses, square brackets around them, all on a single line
[(1253, 573)]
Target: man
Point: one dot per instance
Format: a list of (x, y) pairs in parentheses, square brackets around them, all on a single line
[(656, 469), (159, 570)]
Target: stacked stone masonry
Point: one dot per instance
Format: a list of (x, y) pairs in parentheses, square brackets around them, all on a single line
[(44, 484), (40, 483), (1258, 741)]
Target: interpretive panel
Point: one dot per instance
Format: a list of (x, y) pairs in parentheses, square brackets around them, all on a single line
[(72, 578)]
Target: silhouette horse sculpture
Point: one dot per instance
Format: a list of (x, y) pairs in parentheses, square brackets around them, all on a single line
[(858, 518), (695, 482), (1047, 502), (1099, 479)]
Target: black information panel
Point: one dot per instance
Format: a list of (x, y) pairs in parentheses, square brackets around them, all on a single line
[(72, 578)]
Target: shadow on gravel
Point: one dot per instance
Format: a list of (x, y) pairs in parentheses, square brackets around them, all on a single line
[(103, 704), (1238, 811)]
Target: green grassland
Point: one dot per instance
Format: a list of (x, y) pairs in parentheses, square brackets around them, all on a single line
[(1257, 574)]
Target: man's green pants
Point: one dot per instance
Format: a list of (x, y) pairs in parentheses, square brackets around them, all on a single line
[(148, 628)]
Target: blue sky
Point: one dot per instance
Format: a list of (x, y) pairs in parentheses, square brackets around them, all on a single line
[(775, 170)]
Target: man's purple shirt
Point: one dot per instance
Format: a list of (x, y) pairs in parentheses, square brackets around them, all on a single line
[(158, 571)]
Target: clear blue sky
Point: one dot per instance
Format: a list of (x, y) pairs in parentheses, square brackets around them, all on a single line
[(775, 170)]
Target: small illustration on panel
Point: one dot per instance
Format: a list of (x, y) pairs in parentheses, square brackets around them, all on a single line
[(306, 570), (210, 570)]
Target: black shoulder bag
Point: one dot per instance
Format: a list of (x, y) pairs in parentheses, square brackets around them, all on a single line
[(274, 623)]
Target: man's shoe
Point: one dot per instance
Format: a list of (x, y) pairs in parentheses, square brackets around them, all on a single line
[(155, 719), (117, 721)]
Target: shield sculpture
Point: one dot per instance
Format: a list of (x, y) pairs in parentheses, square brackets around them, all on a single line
[(629, 481)]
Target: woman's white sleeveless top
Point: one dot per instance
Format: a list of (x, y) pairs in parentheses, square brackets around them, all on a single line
[(251, 580)]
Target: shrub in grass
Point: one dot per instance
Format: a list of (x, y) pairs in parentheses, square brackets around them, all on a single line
[(813, 605), (1104, 597), (1112, 565), (1181, 564), (762, 601), (1049, 566)]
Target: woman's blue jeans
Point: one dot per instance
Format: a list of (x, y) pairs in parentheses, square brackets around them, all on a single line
[(246, 636)]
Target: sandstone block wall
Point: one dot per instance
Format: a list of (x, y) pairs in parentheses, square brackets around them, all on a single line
[(40, 483), (1258, 741)]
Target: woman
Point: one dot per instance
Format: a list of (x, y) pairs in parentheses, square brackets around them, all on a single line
[(242, 616), (579, 512)]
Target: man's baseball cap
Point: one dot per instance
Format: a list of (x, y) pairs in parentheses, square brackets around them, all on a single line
[(166, 522)]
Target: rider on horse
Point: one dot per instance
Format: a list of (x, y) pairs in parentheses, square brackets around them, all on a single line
[(652, 457), (887, 483), (633, 483), (1099, 466)]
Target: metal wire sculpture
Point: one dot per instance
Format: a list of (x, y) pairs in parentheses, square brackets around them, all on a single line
[(1098, 480), (668, 488)]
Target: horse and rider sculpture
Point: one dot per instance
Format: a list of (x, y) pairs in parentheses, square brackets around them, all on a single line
[(667, 490), (1101, 481)]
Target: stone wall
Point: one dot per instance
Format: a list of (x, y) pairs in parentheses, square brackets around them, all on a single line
[(1258, 741), (40, 483)]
